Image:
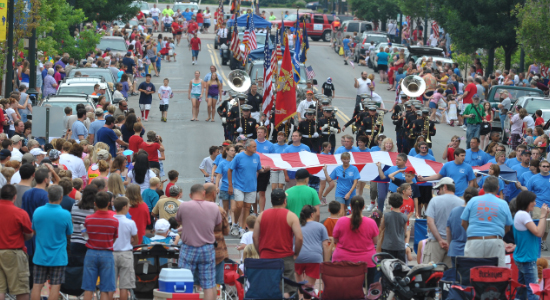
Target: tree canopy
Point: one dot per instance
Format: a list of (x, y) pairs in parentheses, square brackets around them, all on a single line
[(533, 32), (106, 10), (375, 10)]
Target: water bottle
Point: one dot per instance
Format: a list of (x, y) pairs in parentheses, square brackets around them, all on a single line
[(84, 232), (437, 294)]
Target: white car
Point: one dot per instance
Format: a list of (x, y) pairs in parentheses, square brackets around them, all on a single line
[(184, 5), (435, 59), (143, 6), (67, 100), (77, 86)]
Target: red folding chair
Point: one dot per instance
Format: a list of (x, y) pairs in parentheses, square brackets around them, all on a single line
[(542, 289)]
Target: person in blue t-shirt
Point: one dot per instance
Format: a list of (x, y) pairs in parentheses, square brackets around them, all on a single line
[(424, 154), (221, 180), (426, 188), (414, 150), (295, 147), (486, 219), (346, 42), (494, 170), (516, 161), (51, 225), (400, 164), (241, 178), (538, 184), (382, 60), (461, 172), (511, 190), (475, 157), (219, 159), (346, 177), (534, 169), (457, 237), (108, 136), (348, 145), (277, 177), (500, 158), (263, 146)]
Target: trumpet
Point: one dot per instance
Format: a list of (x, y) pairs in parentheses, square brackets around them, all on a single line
[(353, 129), (427, 129), (379, 123)]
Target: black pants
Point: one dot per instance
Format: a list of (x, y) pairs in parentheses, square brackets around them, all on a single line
[(312, 143), (399, 254)]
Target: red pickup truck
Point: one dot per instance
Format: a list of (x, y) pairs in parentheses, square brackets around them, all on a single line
[(319, 26)]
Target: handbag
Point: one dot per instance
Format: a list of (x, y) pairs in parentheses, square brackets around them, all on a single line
[(341, 51)]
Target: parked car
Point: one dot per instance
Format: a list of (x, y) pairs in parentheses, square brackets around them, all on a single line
[(350, 27), (312, 5), (260, 41), (115, 43), (444, 60), (67, 100), (367, 37), (91, 72), (372, 63), (514, 92), (418, 51), (344, 18), (85, 86), (319, 26), (182, 6), (143, 6)]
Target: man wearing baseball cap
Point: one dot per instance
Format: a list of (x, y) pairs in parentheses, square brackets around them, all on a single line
[(96, 125), (305, 104), (437, 213), (5, 156), (38, 154)]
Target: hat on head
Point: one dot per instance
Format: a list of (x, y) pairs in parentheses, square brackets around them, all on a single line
[(425, 111), (535, 78), (302, 174), (418, 112), (27, 158), (162, 226), (325, 102), (38, 151), (444, 181), (108, 49), (129, 53), (328, 108), (99, 111), (526, 151), (246, 107), (241, 96), (417, 106), (309, 92), (5, 153), (16, 138), (372, 107), (103, 154), (329, 80), (407, 104), (410, 170), (54, 154), (309, 81), (241, 138), (310, 111)]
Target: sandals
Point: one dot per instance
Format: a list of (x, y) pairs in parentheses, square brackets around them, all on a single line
[(207, 120)]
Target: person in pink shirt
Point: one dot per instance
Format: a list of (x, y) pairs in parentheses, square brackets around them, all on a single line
[(434, 100), (355, 236)]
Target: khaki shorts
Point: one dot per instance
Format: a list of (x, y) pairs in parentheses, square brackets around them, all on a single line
[(485, 249), (433, 253), (14, 272), (124, 269), (247, 197), (535, 215), (289, 273), (277, 177)]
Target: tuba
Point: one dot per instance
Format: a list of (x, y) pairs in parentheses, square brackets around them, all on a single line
[(240, 82), (413, 86)]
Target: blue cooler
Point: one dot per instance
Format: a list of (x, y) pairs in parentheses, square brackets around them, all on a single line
[(176, 281)]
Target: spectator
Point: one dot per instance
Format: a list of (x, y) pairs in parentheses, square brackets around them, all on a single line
[(220, 231), (167, 207), (150, 195), (135, 140), (152, 146), (345, 186), (474, 114), (138, 210), (79, 130), (486, 218), (475, 157), (124, 258), (79, 212), (437, 213), (461, 173), (456, 235), (526, 235), (107, 135), (516, 130), (102, 229), (330, 222), (162, 232), (393, 225), (27, 174), (301, 194), (276, 231), (52, 225), (67, 185), (199, 219), (72, 159), (315, 247), (228, 201), (16, 229), (400, 164), (141, 174)]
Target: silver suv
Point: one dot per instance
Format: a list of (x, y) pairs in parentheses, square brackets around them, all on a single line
[(367, 37)]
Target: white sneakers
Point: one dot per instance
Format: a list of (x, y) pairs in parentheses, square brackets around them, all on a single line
[(370, 207), (235, 230)]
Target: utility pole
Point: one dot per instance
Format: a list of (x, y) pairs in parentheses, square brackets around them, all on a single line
[(32, 65), (9, 56)]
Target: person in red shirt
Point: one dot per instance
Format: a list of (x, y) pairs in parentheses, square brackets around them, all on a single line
[(135, 140), (173, 176), (469, 91), (102, 230), (152, 146), (200, 19), (138, 210), (539, 121), (16, 229), (408, 203), (274, 232), (140, 15), (195, 45), (192, 28)]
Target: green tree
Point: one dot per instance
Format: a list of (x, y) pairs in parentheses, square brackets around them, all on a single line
[(532, 30), (375, 10), (99, 10), (477, 24)]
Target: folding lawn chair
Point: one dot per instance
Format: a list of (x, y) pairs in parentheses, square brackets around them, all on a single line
[(266, 280), (232, 289), (543, 288), (493, 283), (460, 275), (343, 280)]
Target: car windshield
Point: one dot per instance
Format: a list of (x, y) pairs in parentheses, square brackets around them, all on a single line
[(63, 104), (532, 105), (93, 71), (376, 39), (260, 39), (514, 94), (114, 44), (183, 7), (291, 18), (141, 5), (83, 89)]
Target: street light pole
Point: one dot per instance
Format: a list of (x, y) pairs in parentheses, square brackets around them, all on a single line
[(9, 57)]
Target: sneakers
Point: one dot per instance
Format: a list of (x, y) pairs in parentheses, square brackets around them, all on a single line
[(241, 232), (543, 246), (235, 230), (193, 62), (464, 126), (323, 201), (371, 207), (230, 220)]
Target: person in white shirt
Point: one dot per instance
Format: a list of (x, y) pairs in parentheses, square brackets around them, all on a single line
[(208, 162), (433, 40), (392, 30), (17, 144), (305, 104), (155, 12), (363, 86), (123, 246), (165, 93)]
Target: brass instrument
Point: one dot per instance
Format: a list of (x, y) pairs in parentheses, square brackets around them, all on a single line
[(353, 129), (239, 82), (379, 123), (413, 86), (427, 129)]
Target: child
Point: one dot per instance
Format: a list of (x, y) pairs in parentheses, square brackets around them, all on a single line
[(451, 114), (127, 237), (246, 239), (172, 52), (539, 121), (207, 163), (434, 101), (173, 176), (330, 222), (460, 85), (136, 139), (118, 133), (394, 225), (405, 190), (76, 193), (165, 93), (529, 139), (174, 230), (409, 177), (140, 66), (150, 196)]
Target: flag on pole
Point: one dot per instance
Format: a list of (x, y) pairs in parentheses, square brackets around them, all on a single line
[(310, 73), (435, 29), (296, 57), (235, 42), (268, 90), (219, 20), (409, 21), (249, 39), (278, 41), (285, 106), (305, 46)]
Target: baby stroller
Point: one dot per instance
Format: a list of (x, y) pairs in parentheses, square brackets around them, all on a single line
[(420, 282), (149, 260)]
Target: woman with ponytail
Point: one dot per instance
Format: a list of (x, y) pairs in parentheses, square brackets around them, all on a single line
[(315, 248), (355, 237)]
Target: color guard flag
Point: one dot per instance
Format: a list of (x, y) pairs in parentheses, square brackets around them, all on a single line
[(285, 106)]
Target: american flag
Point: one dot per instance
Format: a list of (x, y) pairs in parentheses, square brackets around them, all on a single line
[(235, 42), (435, 29), (310, 73), (268, 72), (249, 39), (280, 40)]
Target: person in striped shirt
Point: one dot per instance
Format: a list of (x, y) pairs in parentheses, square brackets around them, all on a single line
[(102, 231)]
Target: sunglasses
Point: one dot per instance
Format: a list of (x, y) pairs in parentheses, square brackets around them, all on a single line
[(545, 166)]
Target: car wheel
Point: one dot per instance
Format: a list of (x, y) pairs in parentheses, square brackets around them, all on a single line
[(215, 44), (327, 36), (374, 68)]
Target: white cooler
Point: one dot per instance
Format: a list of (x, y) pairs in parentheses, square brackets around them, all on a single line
[(176, 281)]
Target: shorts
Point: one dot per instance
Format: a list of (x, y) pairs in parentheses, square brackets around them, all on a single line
[(224, 195), (179, 33), (219, 273), (14, 272), (289, 272), (41, 274), (433, 105), (202, 259), (383, 68), (124, 269), (195, 53), (200, 24), (277, 177), (240, 196), (425, 194), (310, 269), (347, 53), (99, 263), (149, 30), (206, 25), (213, 96), (130, 77), (427, 95), (153, 59), (143, 107), (195, 96), (263, 181), (156, 19), (163, 107), (434, 252), (343, 201)]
